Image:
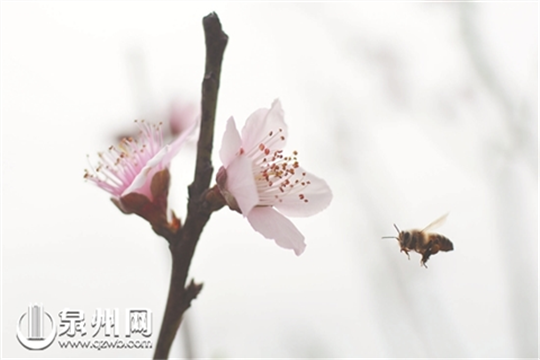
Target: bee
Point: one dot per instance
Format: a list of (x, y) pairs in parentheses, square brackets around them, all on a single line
[(422, 241)]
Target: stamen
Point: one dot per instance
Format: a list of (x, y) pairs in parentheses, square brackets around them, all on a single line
[(277, 178), (118, 167)]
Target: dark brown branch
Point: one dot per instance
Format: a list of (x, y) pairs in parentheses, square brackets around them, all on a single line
[(216, 41), (202, 200)]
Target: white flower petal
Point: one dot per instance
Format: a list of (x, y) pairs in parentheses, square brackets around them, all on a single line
[(241, 185), (305, 200), (265, 126), (141, 182), (231, 143), (272, 225)]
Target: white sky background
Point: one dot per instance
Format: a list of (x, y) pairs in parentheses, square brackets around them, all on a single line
[(408, 110)]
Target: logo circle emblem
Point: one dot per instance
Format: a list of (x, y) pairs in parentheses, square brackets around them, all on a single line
[(36, 344)]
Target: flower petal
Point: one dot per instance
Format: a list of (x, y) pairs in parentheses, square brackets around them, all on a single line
[(241, 185), (313, 195), (272, 225), (141, 182), (261, 124), (231, 143)]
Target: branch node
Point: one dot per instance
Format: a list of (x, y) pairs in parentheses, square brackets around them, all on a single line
[(191, 292)]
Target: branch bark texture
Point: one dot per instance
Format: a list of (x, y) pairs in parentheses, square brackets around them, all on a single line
[(202, 200)]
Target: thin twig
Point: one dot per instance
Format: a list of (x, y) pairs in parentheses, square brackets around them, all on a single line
[(200, 206)]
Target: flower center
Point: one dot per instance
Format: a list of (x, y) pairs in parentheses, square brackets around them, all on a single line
[(277, 176), (118, 166)]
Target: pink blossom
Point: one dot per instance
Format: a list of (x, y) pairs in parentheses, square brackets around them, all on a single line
[(130, 167), (257, 180)]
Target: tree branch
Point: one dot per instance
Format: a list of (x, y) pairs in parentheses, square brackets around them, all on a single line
[(216, 41), (202, 200)]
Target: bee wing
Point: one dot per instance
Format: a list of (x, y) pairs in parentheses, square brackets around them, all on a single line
[(436, 223)]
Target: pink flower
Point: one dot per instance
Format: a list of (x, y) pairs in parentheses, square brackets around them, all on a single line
[(131, 167), (258, 181)]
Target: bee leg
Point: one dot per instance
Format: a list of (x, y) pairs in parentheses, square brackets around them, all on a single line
[(406, 252), (425, 258)]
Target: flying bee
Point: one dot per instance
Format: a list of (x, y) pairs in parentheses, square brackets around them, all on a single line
[(422, 241)]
